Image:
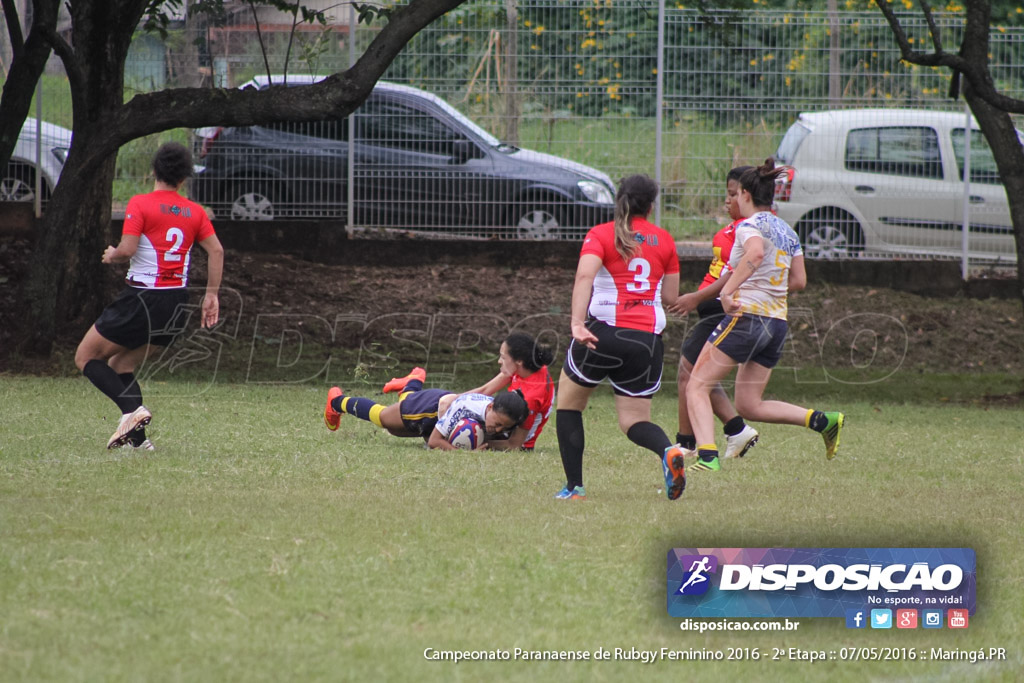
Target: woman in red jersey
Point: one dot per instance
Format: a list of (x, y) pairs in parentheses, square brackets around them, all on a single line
[(524, 368), (159, 230), (627, 270)]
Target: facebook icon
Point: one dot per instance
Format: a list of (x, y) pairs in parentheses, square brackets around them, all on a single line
[(855, 618)]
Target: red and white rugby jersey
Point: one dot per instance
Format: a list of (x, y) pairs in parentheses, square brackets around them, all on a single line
[(629, 294), (539, 394), (721, 248), (167, 225)]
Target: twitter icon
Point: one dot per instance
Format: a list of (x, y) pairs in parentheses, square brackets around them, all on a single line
[(881, 618)]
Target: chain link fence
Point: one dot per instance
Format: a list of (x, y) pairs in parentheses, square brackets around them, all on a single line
[(515, 119)]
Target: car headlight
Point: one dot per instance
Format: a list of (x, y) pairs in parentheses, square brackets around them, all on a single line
[(61, 153), (596, 192)]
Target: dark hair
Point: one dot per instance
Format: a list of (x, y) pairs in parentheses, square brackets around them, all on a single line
[(172, 163), (635, 196), (525, 349), (737, 173), (760, 182), (513, 404)]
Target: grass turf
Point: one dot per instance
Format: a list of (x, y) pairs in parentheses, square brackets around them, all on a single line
[(255, 545)]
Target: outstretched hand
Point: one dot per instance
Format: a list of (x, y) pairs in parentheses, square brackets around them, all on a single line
[(684, 304)]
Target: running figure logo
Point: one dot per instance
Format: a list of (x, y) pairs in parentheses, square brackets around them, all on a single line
[(696, 580)]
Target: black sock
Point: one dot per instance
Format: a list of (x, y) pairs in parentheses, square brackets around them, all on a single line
[(133, 391), (106, 380), (734, 426), (818, 421), (569, 428), (708, 452), (687, 441), (650, 436)]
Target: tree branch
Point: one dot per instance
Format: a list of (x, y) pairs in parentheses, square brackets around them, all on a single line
[(972, 63), (13, 26), (337, 96)]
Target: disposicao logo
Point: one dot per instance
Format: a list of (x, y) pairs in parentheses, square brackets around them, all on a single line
[(696, 580), (818, 582)]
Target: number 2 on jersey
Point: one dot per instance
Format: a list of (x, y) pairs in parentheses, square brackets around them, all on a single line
[(641, 268), (176, 236)]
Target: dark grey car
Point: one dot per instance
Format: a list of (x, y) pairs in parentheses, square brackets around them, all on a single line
[(418, 164)]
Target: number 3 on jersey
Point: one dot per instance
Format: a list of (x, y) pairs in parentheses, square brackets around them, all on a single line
[(176, 236), (641, 269)]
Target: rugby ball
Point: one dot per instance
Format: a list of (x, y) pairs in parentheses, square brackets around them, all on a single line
[(468, 434)]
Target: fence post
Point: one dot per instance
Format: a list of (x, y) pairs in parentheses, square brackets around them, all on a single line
[(659, 101), (37, 201), (965, 230), (511, 72), (350, 121)]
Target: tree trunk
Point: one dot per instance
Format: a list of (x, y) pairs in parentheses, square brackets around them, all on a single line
[(997, 126), (26, 68), (68, 285), (67, 281)]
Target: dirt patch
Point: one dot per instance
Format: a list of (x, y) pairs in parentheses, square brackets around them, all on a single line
[(404, 312)]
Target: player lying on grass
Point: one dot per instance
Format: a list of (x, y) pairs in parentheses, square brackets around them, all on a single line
[(431, 413), (524, 368)]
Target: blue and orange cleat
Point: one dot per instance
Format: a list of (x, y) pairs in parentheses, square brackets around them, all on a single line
[(332, 418), (675, 473), (576, 493), (398, 383)]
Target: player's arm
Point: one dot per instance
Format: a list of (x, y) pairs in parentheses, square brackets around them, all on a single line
[(437, 440), (670, 289), (214, 273), (515, 440), (123, 252), (582, 290), (689, 301), (797, 274), (500, 381), (753, 255)]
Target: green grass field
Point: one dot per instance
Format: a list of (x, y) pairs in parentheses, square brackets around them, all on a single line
[(255, 545)]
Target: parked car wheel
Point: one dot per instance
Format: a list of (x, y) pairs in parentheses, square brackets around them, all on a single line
[(831, 235), (538, 224), (252, 203), (18, 185)]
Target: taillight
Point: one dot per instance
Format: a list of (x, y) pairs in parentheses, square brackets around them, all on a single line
[(784, 185), (207, 142)]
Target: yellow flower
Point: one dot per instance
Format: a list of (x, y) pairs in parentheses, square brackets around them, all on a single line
[(527, 23), (769, 57), (613, 90), (789, 81), (753, 62), (587, 43), (539, 30), (604, 81)]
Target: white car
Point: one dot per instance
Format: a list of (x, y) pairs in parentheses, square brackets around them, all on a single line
[(890, 181), (18, 183)]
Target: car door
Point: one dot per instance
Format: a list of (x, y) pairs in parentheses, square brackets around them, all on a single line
[(895, 178), (408, 172), (991, 229), (315, 165)]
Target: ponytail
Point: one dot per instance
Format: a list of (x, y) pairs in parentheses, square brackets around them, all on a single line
[(635, 197), (760, 182)]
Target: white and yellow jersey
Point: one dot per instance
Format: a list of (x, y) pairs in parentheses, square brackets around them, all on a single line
[(764, 293)]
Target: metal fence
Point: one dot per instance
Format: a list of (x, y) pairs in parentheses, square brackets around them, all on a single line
[(512, 119)]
